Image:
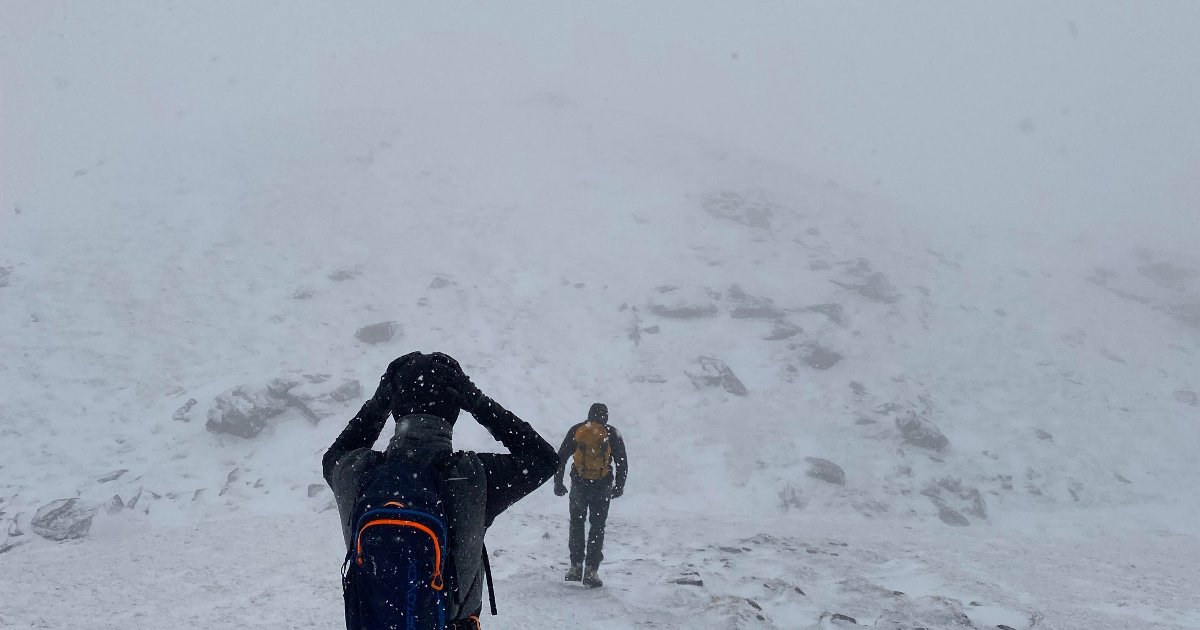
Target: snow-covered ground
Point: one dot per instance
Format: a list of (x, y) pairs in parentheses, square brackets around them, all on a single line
[(833, 405)]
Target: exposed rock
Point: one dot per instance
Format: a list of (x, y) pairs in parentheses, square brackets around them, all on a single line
[(825, 470), (819, 357), (243, 411), (752, 307), (303, 294), (950, 493), (952, 517), (873, 285), (315, 488), (649, 378), (1120, 478), (232, 477), (790, 499), (783, 330), (675, 304), (341, 275), (1104, 352), (184, 413), (14, 526), (919, 431), (1187, 397), (381, 332), (116, 474), (714, 372), (875, 288), (834, 312), (751, 209), (347, 391), (931, 612), (440, 282), (4, 273), (63, 519), (114, 505), (1042, 435)]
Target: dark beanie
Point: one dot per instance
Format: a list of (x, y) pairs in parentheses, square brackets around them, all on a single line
[(421, 384), (598, 413)]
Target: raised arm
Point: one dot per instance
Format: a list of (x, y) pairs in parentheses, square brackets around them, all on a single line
[(362, 430), (530, 460)]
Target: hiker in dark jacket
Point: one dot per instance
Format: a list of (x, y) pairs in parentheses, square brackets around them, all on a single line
[(598, 449), (424, 393)]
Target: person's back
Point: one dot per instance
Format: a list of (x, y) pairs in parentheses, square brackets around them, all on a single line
[(598, 475), (422, 500)]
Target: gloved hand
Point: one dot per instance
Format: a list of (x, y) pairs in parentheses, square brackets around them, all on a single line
[(560, 489), (617, 492), (466, 395)]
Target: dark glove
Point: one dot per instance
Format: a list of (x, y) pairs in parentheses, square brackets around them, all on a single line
[(466, 395), (617, 492), (560, 489)]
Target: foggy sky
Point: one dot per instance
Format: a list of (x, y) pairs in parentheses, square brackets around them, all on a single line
[(1065, 114)]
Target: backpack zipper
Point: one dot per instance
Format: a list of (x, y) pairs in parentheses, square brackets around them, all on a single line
[(437, 584)]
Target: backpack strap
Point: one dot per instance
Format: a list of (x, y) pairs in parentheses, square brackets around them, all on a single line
[(487, 571)]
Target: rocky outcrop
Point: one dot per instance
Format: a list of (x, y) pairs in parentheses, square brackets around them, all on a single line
[(746, 306), (715, 373), (921, 432), (834, 312), (184, 413), (245, 411), (819, 357), (381, 332), (750, 209), (873, 285), (63, 519), (783, 330), (675, 303), (825, 470), (953, 499)]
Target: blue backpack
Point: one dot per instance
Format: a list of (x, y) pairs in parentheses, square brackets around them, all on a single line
[(394, 574)]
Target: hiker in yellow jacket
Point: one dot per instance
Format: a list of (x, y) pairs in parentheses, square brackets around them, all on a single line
[(597, 476)]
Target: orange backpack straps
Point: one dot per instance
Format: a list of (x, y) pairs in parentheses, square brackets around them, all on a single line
[(593, 452)]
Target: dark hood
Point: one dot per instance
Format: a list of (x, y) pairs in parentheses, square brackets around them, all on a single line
[(421, 438)]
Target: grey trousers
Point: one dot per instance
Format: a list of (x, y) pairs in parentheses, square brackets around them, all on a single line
[(589, 501)]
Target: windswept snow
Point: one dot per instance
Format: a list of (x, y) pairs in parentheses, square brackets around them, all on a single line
[(835, 407)]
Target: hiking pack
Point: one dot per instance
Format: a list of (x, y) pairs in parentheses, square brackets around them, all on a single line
[(398, 573), (593, 451)]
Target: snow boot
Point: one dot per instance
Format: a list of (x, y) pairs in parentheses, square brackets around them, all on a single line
[(575, 573), (590, 579)]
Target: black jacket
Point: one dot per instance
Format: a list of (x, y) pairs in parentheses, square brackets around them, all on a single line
[(483, 485)]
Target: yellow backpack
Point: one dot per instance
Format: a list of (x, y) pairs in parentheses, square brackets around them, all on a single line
[(592, 451)]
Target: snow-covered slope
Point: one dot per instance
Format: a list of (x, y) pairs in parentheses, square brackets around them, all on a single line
[(826, 399)]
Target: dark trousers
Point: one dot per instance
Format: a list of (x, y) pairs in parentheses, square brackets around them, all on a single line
[(589, 501)]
